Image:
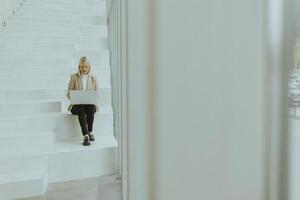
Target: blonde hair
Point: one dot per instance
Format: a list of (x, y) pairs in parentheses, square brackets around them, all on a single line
[(84, 59)]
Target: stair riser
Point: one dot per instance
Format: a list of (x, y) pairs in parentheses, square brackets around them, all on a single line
[(36, 46), (37, 83), (72, 22), (50, 7), (43, 38), (30, 188), (66, 126), (33, 26), (23, 19), (17, 31), (34, 95), (31, 56), (36, 124), (98, 55), (82, 165), (92, 44), (95, 20), (102, 74), (68, 3), (29, 108), (23, 163), (69, 128), (51, 47), (48, 44), (53, 13), (59, 32), (36, 62), (32, 83), (23, 143), (50, 62)]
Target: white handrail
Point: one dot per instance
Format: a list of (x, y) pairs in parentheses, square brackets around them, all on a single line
[(9, 8)]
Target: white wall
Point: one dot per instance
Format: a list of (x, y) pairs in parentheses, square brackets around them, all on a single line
[(209, 115), (200, 70)]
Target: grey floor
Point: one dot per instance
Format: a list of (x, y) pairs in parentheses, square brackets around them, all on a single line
[(102, 188)]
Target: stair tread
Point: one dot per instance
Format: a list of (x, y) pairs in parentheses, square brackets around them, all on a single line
[(62, 146), (31, 101), (60, 68), (40, 77), (68, 50), (22, 175), (26, 134), (76, 144), (57, 36), (103, 110), (65, 24), (48, 88)]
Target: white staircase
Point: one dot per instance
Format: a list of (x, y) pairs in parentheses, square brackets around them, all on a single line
[(40, 141)]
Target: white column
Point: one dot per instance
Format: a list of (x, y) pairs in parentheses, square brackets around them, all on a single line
[(198, 99)]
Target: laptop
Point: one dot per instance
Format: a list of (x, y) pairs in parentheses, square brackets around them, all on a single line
[(84, 97)]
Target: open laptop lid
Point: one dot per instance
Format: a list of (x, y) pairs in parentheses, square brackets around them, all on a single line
[(84, 97)]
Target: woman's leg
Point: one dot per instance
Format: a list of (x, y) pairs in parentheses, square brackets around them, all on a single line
[(90, 111), (80, 111)]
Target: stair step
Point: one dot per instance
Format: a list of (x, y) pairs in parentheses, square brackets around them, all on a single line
[(53, 12), (30, 82), (93, 10), (48, 62), (41, 82), (36, 26), (31, 94), (23, 183), (34, 62), (68, 3), (48, 19), (69, 128), (17, 45), (79, 20), (96, 160), (101, 57), (62, 57), (65, 124), (28, 31), (22, 108), (15, 142), (13, 164), (57, 148), (32, 41), (102, 73), (48, 38), (75, 145), (52, 32)]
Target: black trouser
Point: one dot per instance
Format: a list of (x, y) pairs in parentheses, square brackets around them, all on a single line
[(86, 117)]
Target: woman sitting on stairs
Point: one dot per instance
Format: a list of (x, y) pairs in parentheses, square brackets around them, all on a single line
[(84, 80)]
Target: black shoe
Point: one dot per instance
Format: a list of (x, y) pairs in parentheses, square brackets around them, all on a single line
[(86, 140), (92, 138)]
